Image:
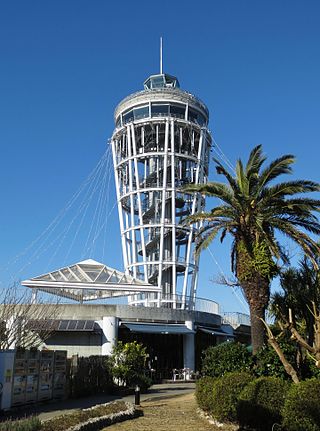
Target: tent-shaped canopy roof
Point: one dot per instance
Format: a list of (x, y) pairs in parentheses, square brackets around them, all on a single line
[(89, 280)]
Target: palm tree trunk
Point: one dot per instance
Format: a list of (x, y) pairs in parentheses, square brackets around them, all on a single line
[(257, 293), (257, 327)]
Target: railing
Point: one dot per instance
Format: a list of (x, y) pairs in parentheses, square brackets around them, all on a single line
[(207, 306), (179, 302), (236, 319)]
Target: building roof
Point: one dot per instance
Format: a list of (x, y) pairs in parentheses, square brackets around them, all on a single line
[(89, 280)]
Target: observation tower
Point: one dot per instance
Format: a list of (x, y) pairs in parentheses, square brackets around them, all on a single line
[(160, 143)]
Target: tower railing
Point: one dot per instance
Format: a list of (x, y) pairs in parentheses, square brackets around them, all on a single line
[(179, 302), (236, 319)]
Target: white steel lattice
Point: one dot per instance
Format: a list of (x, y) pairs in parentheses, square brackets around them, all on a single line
[(161, 142)]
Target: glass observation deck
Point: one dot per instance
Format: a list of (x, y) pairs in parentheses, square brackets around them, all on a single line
[(161, 81)]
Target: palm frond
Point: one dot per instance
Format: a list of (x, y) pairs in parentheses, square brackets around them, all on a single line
[(280, 191), (221, 170), (224, 211), (255, 161), (194, 218), (309, 246), (242, 180), (215, 189), (205, 240), (281, 165)]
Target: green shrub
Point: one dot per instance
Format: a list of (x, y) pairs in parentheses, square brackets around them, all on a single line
[(129, 363), (226, 357), (92, 375), (29, 424), (301, 410), (144, 382), (204, 387), (225, 395), (269, 364), (310, 369), (261, 402)]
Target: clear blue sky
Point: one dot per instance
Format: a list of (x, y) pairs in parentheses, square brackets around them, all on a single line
[(65, 64)]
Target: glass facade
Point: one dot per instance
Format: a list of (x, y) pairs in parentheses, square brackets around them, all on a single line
[(161, 110), (161, 81), (195, 117), (177, 111), (142, 112)]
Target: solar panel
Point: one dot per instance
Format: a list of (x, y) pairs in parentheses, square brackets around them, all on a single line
[(72, 325), (89, 325), (63, 325), (80, 325)]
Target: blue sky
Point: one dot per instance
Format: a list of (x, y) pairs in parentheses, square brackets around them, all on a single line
[(66, 64)]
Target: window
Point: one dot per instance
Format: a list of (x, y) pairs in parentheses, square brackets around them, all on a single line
[(157, 82), (142, 112), (196, 117), (159, 110), (201, 120), (177, 111), (127, 117), (118, 122)]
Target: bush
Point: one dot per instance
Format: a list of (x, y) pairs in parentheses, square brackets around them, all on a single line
[(269, 364), (226, 357), (310, 369), (301, 410), (204, 388), (29, 424), (92, 375), (129, 364), (261, 402), (225, 395)]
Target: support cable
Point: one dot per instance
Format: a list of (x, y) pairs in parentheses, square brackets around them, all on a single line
[(41, 240), (243, 305), (102, 197)]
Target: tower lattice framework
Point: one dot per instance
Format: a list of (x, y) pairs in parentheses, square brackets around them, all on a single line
[(161, 143)]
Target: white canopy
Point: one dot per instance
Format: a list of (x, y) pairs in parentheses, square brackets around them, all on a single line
[(89, 280)]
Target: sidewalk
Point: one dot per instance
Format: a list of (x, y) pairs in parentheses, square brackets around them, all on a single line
[(172, 413), (53, 409)]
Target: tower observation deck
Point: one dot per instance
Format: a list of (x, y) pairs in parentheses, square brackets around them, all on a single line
[(160, 143)]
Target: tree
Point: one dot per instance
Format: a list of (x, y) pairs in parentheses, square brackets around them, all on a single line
[(287, 324), (300, 288), (253, 208), (24, 323)]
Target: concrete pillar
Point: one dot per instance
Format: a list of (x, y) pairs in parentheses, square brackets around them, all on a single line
[(189, 347), (109, 325)]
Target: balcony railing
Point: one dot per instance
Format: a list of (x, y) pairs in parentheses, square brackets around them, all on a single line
[(179, 302), (236, 319)]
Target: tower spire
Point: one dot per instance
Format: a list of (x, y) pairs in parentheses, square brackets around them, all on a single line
[(161, 56)]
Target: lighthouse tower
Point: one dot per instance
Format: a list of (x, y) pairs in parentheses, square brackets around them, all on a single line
[(160, 143)]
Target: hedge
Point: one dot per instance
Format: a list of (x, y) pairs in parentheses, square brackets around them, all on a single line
[(225, 395), (261, 402), (29, 424), (226, 357), (204, 387), (301, 410)]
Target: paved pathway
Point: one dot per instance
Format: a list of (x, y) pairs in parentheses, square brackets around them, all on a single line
[(53, 409), (174, 413)]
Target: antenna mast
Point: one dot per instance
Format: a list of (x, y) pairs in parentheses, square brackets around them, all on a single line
[(161, 56)]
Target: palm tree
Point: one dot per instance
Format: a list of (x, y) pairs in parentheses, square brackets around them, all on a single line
[(253, 207)]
